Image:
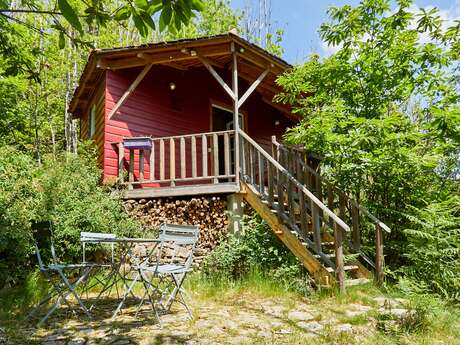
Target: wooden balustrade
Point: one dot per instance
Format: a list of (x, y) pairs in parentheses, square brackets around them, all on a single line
[(293, 202), (348, 209), (183, 159)]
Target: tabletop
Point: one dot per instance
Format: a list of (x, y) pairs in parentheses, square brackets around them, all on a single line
[(120, 240)]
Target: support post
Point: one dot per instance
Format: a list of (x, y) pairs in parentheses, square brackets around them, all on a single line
[(121, 157), (235, 212), (236, 123), (379, 259), (339, 264)]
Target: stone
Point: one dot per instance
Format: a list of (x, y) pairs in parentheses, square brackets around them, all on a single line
[(299, 316), (76, 341), (396, 312), (310, 326), (343, 328)]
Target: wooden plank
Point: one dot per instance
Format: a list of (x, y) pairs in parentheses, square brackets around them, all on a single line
[(139, 193), (130, 90), (253, 165), (260, 165), (251, 89), (227, 153), (194, 158), (121, 158), (330, 202), (280, 191), (162, 159), (303, 215), (217, 76), (152, 162), (215, 148), (172, 161), (316, 227), (141, 165), (236, 112), (182, 158), (379, 258), (204, 154), (339, 264), (356, 234), (271, 182), (131, 167)]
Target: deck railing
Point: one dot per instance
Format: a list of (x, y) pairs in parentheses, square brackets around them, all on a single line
[(181, 160), (348, 209)]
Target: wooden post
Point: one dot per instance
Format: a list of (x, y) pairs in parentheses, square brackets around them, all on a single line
[(131, 168), (182, 158), (162, 159), (215, 148), (152, 162), (193, 156), (204, 154), (227, 154), (379, 258), (141, 165), (316, 227), (172, 161), (356, 235), (236, 120), (270, 172), (121, 158), (339, 265)]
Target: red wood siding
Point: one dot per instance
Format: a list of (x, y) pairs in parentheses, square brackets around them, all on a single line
[(154, 110)]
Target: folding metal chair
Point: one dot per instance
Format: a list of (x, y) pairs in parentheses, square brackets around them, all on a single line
[(164, 278), (55, 272)]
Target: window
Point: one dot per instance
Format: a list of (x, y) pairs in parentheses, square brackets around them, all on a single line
[(92, 122)]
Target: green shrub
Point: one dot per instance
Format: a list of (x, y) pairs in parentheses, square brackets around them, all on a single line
[(65, 190), (433, 249), (256, 248)]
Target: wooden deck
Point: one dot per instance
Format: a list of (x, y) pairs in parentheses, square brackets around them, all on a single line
[(204, 189)]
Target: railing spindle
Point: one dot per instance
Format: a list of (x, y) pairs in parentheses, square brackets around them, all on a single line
[(356, 235), (152, 162), (162, 159), (172, 161), (261, 173), (204, 153), (227, 153), (183, 160), (194, 173), (121, 158), (270, 176), (141, 165), (216, 157), (339, 263), (131, 168), (316, 227)]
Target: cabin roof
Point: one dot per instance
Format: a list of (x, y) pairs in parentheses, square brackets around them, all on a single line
[(182, 54)]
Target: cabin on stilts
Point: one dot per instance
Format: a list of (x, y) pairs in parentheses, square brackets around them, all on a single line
[(197, 117)]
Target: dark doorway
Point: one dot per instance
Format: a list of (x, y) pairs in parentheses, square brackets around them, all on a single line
[(222, 120)]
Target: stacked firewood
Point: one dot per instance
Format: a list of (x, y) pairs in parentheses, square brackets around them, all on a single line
[(208, 213)]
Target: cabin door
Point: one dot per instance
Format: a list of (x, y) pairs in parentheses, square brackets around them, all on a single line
[(222, 120)]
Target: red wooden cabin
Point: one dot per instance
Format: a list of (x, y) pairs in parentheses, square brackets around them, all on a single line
[(196, 117), (182, 96)]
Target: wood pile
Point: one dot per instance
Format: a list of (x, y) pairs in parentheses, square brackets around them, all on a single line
[(207, 212)]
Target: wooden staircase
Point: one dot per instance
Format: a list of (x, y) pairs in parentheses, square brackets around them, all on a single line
[(288, 194)]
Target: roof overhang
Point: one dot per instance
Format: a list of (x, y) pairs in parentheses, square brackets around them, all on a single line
[(184, 55)]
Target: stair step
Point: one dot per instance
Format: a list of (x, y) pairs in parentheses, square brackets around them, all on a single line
[(357, 281), (346, 268), (332, 255), (327, 243)]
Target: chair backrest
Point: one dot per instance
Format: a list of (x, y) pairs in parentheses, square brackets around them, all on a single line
[(180, 241), (94, 237), (42, 234)]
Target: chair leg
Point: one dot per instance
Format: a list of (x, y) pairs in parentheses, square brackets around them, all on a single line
[(72, 288), (148, 286), (136, 278)]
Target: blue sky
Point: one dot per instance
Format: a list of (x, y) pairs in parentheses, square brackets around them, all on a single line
[(300, 20)]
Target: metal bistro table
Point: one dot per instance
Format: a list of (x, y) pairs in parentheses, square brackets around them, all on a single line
[(119, 272)]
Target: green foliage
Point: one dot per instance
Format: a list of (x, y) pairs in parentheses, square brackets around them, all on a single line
[(64, 190), (384, 114), (433, 248), (256, 249)]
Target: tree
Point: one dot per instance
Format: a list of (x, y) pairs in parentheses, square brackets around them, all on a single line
[(384, 110)]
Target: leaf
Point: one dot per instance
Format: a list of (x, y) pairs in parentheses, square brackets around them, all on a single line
[(70, 15), (123, 13), (143, 4), (147, 18), (165, 17), (140, 25), (61, 40)]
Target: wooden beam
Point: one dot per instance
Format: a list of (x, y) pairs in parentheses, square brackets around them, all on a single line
[(216, 76), (236, 113), (130, 90), (251, 89)]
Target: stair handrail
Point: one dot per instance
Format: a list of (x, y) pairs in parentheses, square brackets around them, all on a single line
[(299, 185), (358, 205)]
